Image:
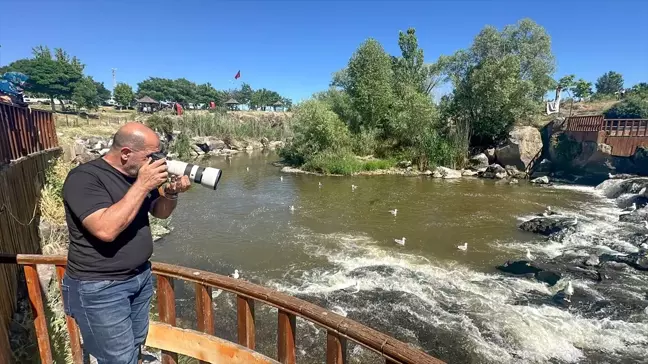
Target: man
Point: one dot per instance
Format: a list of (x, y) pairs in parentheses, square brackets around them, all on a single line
[(107, 288)]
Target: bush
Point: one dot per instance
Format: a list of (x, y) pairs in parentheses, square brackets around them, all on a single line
[(317, 129), (630, 108), (344, 163), (365, 142)]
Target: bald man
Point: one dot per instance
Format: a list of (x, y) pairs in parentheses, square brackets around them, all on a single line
[(107, 287)]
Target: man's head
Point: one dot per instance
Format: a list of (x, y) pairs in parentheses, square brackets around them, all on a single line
[(131, 146)]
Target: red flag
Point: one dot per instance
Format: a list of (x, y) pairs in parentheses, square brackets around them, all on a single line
[(238, 75)]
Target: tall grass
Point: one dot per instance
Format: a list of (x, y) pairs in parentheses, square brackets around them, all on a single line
[(344, 164), (220, 125)]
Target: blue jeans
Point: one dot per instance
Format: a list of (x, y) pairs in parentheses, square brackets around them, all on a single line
[(112, 315)]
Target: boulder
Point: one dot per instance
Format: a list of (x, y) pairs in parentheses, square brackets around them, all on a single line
[(513, 172), (255, 144), (448, 173), (592, 261), (80, 148), (520, 148), (542, 169), (198, 150), (523, 267), (275, 144), (215, 143), (436, 174), (404, 164), (427, 172), (495, 171), (548, 225), (479, 161), (237, 144), (540, 180), (85, 157), (264, 141), (514, 181), (204, 147), (229, 151), (637, 216), (490, 153), (214, 153), (549, 277), (468, 173), (637, 261)]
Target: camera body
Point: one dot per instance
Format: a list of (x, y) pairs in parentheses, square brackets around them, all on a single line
[(206, 176)]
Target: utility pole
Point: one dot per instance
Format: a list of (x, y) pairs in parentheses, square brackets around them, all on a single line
[(114, 80)]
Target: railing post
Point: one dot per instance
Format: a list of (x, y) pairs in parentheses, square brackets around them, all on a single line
[(204, 311), (75, 343), (336, 348), (246, 328), (166, 308), (286, 337), (40, 324)]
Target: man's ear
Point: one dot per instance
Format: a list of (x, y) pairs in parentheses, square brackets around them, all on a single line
[(125, 153)]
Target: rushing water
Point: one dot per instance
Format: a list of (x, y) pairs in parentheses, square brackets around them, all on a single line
[(337, 249)]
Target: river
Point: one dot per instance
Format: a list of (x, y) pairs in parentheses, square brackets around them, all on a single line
[(337, 249)]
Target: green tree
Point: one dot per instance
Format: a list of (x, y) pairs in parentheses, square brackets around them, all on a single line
[(370, 80), (632, 107), (85, 94), (48, 75), (317, 130), (640, 90), (410, 67), (103, 94), (583, 89), (205, 93), (245, 94), (609, 83), (124, 94)]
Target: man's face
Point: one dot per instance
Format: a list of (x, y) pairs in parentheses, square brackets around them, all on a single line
[(134, 159)]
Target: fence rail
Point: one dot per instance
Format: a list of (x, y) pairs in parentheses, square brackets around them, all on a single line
[(622, 135), (24, 131), (207, 348)]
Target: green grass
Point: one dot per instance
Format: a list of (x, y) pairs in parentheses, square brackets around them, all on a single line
[(344, 164)]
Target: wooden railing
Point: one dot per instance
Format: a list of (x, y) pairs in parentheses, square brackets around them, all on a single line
[(24, 131), (625, 127), (202, 344)]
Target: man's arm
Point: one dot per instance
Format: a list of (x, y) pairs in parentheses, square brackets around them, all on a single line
[(168, 200), (88, 199), (106, 224)]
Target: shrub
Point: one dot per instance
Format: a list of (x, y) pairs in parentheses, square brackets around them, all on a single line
[(317, 129), (365, 142), (630, 108), (344, 163)]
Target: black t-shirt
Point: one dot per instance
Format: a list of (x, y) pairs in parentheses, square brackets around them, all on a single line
[(90, 187)]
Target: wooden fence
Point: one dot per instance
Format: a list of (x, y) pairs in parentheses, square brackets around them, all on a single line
[(24, 131), (27, 144)]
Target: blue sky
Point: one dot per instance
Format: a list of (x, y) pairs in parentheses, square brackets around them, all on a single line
[(293, 47)]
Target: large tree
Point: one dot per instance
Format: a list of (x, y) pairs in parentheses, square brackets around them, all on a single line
[(370, 81), (85, 94), (103, 94), (124, 94), (583, 89), (609, 83)]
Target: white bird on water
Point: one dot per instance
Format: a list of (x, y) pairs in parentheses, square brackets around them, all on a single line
[(400, 241), (631, 208), (646, 224), (529, 256), (319, 184), (610, 175), (247, 169), (353, 187), (642, 191), (463, 247), (569, 291), (292, 208), (281, 178), (393, 212), (236, 274), (644, 246)]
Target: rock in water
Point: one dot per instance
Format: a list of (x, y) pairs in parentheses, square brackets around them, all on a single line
[(541, 180), (521, 147), (637, 261), (637, 216), (513, 172), (448, 173), (479, 161), (495, 171), (592, 261), (519, 267), (490, 153), (548, 225), (549, 277), (468, 173)]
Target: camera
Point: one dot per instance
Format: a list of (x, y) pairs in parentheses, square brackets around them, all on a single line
[(205, 176)]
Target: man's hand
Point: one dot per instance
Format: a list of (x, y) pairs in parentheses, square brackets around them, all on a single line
[(177, 185), (152, 175)]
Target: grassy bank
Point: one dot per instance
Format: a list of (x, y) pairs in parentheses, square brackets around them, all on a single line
[(344, 164)]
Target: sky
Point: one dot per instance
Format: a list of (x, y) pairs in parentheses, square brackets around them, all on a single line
[(293, 47)]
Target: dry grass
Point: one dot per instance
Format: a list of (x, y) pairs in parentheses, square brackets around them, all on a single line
[(567, 108)]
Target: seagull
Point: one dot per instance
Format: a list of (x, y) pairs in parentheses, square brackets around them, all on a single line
[(631, 208), (281, 178), (400, 241), (236, 274), (644, 246), (569, 291), (529, 256), (353, 187), (610, 175), (646, 224), (319, 184), (642, 191), (247, 169), (547, 212), (393, 212), (355, 286), (216, 293), (463, 247), (292, 208)]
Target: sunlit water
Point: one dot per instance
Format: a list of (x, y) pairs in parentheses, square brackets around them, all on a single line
[(452, 304)]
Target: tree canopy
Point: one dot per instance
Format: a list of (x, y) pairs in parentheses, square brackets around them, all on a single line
[(123, 94), (609, 83)]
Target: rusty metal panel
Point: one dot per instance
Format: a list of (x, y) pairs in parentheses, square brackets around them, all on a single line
[(24, 131), (625, 146), (585, 123)]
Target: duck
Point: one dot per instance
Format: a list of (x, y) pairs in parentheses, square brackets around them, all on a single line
[(400, 241), (463, 247)]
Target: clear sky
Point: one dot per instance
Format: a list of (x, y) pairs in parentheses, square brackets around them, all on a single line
[(294, 46)]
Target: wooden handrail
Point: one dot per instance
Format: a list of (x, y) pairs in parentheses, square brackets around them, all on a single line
[(339, 328)]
